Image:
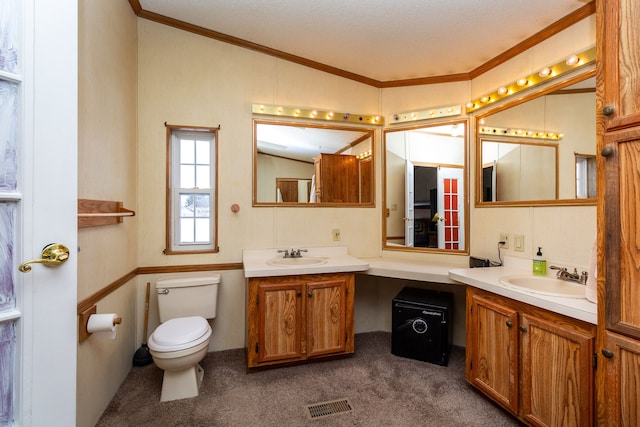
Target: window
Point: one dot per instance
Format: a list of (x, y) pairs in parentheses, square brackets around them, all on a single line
[(585, 176), (191, 190)]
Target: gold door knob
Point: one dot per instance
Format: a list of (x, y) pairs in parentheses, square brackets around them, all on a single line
[(52, 255)]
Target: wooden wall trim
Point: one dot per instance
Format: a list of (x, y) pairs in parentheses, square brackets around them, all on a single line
[(447, 78), (86, 303), (181, 25), (189, 268), (553, 29), (93, 299)]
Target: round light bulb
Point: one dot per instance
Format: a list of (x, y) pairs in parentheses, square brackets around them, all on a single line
[(545, 72), (572, 60)]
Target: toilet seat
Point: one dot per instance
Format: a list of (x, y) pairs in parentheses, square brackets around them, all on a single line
[(179, 334)]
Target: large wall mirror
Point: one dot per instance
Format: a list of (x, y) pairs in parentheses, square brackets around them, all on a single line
[(425, 188), (304, 164), (540, 149)]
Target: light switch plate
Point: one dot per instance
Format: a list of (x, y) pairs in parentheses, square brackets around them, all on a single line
[(518, 242)]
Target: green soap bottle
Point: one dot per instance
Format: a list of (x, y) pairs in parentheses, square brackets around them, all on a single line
[(539, 264)]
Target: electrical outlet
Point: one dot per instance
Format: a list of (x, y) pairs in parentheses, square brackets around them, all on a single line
[(336, 234), (504, 237), (518, 242)]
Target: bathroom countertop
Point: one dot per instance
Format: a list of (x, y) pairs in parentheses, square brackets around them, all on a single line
[(488, 279), (410, 270), (483, 278), (256, 262)]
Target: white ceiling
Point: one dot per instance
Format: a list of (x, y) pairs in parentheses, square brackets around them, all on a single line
[(382, 40)]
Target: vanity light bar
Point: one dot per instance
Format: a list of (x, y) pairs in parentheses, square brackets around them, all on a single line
[(303, 113), (432, 113), (521, 133), (364, 155), (567, 65)]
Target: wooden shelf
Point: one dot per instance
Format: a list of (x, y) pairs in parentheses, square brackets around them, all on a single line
[(92, 213)]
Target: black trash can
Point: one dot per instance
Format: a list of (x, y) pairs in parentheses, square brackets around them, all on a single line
[(422, 325)]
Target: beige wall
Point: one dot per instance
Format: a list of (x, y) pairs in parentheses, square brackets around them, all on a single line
[(186, 79), (107, 147), (269, 168), (135, 79), (565, 233)]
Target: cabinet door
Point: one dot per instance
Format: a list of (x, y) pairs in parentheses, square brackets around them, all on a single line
[(492, 345), (620, 59), (317, 170), (326, 317), (280, 322), (556, 373), (365, 167), (622, 381), (338, 180), (622, 227)]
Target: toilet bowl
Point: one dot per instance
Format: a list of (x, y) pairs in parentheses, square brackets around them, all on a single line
[(177, 347), (182, 339)]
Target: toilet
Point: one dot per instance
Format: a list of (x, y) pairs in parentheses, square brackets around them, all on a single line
[(182, 339)]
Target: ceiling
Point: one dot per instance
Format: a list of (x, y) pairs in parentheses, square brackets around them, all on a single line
[(303, 143), (377, 40)]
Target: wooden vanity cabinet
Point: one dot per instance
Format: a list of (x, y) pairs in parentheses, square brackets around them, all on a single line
[(296, 318), (536, 364), (618, 137)]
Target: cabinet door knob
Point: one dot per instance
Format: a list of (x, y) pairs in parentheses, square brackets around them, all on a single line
[(298, 293), (522, 329), (509, 323), (607, 353), (607, 151), (310, 294), (608, 110)]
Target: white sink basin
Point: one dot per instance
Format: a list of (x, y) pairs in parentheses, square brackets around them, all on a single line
[(545, 285), (296, 262)]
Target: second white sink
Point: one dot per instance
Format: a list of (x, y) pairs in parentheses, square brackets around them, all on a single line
[(297, 261), (545, 285)]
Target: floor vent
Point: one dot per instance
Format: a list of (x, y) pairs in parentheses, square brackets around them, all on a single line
[(325, 409)]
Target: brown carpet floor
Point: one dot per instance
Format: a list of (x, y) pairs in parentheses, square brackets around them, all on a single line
[(384, 389)]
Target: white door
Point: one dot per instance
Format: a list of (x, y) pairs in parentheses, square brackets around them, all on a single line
[(450, 208), (409, 200), (38, 198)]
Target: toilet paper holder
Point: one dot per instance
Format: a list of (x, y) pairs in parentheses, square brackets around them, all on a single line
[(83, 320)]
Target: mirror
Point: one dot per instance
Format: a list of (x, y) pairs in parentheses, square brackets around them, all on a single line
[(511, 169), (304, 164), (425, 188), (514, 167)]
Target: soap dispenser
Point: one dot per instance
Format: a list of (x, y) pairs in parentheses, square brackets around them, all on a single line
[(539, 264)]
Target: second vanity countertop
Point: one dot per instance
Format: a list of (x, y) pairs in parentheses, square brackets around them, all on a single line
[(488, 279)]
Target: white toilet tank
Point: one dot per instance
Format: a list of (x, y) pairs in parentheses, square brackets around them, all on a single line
[(188, 296)]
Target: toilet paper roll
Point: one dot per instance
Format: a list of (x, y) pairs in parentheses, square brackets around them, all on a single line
[(102, 325)]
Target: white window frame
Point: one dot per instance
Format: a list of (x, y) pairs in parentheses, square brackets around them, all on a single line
[(174, 135)]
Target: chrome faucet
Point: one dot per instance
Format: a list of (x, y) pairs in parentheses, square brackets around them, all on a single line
[(564, 274), (294, 253)]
